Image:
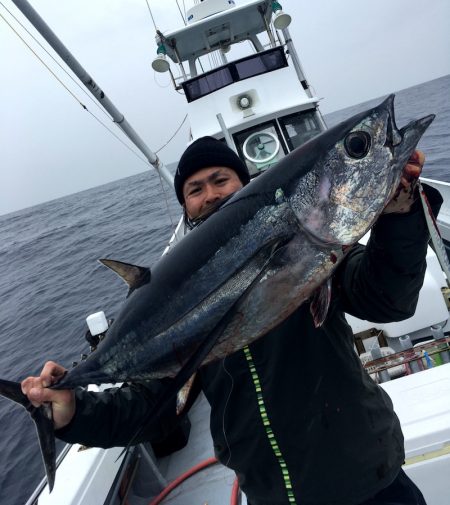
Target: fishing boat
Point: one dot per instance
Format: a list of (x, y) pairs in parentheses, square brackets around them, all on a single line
[(232, 59)]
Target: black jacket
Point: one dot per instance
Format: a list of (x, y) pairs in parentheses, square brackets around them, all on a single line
[(295, 412)]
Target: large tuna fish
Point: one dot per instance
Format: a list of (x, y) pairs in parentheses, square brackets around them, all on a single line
[(252, 263)]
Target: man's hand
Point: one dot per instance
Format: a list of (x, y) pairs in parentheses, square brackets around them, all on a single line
[(63, 401), (405, 195)]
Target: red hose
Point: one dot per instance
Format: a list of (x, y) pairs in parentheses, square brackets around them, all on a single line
[(181, 478), (234, 500)]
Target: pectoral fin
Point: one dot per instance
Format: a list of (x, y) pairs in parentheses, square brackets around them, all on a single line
[(320, 302), (184, 393), (43, 420)]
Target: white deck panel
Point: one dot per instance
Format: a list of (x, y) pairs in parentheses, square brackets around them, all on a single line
[(84, 477), (422, 402)]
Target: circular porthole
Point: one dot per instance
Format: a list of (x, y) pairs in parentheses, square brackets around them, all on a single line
[(261, 147)]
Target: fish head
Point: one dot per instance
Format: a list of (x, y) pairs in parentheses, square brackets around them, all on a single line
[(357, 175)]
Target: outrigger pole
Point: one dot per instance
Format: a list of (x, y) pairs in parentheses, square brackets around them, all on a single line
[(48, 34)]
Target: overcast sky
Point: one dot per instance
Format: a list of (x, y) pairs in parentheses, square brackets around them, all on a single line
[(350, 50)]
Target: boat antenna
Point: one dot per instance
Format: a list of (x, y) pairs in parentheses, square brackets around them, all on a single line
[(153, 19), (151, 14), (92, 87), (181, 13)]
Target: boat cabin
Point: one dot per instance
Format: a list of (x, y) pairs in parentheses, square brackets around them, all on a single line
[(242, 79)]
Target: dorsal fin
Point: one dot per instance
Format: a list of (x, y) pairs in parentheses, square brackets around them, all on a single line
[(133, 275)]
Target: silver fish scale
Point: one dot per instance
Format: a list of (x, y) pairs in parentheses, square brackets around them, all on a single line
[(340, 198), (275, 223), (292, 276), (174, 344)]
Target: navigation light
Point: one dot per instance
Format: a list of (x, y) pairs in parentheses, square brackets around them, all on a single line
[(281, 20)]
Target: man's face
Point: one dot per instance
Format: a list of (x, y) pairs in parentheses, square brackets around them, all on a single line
[(207, 187)]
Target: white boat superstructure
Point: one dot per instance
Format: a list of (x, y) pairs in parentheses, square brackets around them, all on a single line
[(247, 91), (244, 84), (444, 214)]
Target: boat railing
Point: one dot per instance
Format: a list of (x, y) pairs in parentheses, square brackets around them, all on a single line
[(417, 358)]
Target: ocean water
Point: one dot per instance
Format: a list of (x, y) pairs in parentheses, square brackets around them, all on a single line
[(50, 279)]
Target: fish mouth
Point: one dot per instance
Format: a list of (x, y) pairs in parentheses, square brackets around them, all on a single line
[(402, 142)]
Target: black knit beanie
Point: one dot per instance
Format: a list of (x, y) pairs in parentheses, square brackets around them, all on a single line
[(207, 152)]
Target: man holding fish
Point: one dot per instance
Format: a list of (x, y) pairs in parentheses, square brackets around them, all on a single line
[(293, 413)]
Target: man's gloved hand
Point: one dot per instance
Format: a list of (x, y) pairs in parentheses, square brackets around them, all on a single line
[(406, 193)]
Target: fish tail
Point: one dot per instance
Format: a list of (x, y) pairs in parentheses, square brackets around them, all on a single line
[(43, 420), (13, 391)]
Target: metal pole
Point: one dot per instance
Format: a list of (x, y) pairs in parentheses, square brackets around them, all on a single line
[(299, 71), (180, 63), (42, 27), (296, 61), (223, 57), (228, 138), (266, 24)]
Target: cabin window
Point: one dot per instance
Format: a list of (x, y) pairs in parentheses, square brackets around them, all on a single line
[(207, 83), (261, 63), (298, 128), (236, 71)]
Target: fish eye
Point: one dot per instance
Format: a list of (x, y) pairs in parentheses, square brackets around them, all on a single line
[(357, 144)]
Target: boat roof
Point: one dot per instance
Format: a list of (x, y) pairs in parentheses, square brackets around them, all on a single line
[(227, 27)]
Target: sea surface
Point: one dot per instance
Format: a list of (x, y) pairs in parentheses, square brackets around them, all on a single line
[(50, 279)]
